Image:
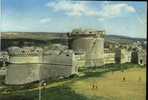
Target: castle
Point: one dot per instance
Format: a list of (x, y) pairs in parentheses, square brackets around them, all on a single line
[(85, 48)]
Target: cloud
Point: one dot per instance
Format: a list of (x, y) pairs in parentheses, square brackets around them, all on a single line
[(112, 10), (69, 7), (45, 20), (72, 8), (91, 13), (108, 10)]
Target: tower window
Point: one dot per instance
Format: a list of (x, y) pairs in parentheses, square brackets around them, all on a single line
[(67, 55), (141, 61)]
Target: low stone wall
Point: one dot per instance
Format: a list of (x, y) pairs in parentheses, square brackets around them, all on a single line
[(94, 62), (51, 71), (59, 65), (109, 58)]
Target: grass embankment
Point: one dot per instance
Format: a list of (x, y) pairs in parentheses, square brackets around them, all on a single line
[(108, 79)]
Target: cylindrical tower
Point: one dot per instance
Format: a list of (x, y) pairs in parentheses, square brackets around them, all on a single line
[(25, 65), (90, 42)]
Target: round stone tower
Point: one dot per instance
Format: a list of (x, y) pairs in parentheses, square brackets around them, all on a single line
[(25, 65), (91, 43)]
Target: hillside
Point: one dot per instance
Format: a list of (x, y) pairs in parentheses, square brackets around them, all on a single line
[(122, 39), (33, 35), (53, 35)]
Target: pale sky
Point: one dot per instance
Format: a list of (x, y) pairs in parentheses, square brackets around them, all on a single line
[(118, 18)]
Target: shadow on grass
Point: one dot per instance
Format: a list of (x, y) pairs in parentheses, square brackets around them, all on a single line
[(62, 92), (55, 93), (15, 97)]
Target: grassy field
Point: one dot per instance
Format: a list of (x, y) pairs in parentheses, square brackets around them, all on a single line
[(110, 82)]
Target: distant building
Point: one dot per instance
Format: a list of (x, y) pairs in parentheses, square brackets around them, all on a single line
[(138, 56), (4, 58), (122, 55)]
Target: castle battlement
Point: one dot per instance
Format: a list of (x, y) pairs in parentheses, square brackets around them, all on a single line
[(25, 51), (87, 32)]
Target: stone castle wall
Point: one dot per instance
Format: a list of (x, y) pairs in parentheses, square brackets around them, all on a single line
[(18, 74), (109, 58), (53, 64)]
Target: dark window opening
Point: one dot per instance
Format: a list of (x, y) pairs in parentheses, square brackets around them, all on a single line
[(67, 55), (141, 61)]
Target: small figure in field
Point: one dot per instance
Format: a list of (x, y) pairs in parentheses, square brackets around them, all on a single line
[(94, 86), (123, 79)]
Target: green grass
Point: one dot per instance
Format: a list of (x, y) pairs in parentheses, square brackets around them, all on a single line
[(99, 71), (54, 93), (64, 91)]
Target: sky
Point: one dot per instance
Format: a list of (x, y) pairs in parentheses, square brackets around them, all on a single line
[(119, 18)]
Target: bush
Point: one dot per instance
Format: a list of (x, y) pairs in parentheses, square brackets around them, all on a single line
[(74, 76)]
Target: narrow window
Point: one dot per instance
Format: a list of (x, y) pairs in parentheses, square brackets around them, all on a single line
[(141, 61)]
